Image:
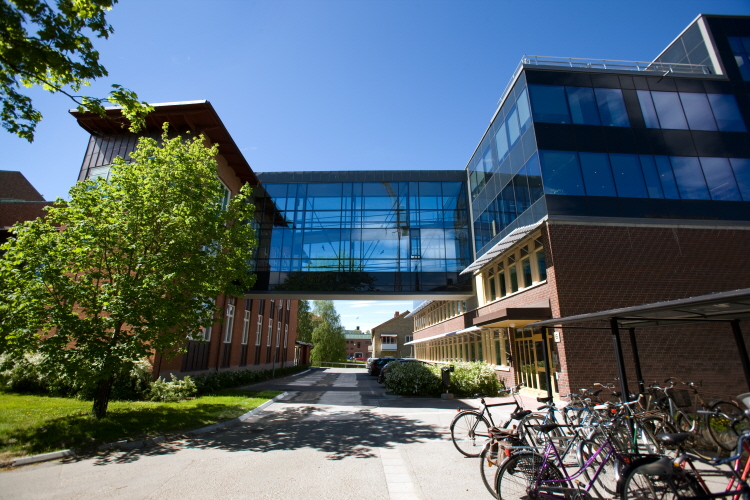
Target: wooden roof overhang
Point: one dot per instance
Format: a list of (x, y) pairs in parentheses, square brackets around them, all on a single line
[(198, 117)]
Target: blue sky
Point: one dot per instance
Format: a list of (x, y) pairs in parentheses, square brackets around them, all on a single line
[(344, 84)]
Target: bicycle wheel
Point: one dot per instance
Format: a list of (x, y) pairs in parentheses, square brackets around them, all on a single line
[(605, 485), (488, 466), (647, 429), (698, 443), (469, 431), (533, 437), (637, 486), (518, 475), (720, 426)]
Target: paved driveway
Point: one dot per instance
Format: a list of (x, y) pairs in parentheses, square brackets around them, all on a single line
[(336, 435)]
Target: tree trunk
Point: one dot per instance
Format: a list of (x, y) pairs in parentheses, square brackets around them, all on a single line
[(101, 398)]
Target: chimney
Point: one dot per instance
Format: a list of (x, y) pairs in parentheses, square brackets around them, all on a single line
[(357, 328), (396, 315)]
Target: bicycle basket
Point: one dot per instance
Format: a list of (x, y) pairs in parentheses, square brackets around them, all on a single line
[(681, 397)]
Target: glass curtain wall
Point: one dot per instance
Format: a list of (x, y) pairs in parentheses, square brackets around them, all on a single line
[(363, 236)]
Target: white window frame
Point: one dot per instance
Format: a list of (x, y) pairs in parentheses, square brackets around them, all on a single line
[(230, 322), (286, 334), (245, 327), (278, 333), (270, 333), (259, 331)]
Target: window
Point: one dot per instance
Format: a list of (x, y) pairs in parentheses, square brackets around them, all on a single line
[(597, 175), (230, 322), (689, 110), (491, 294), (408, 338), (561, 173), (583, 107), (245, 327), (278, 333), (541, 264), (741, 168), (741, 49), (669, 110), (259, 329), (698, 111), (548, 104), (226, 197), (579, 105), (270, 332), (513, 274), (612, 107), (626, 170), (690, 181), (720, 179), (727, 113), (286, 334)]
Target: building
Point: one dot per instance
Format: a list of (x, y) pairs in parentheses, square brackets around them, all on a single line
[(249, 333), (602, 184), (391, 338), (19, 201), (358, 344)]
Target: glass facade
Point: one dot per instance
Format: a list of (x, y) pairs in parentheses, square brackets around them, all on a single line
[(395, 235)]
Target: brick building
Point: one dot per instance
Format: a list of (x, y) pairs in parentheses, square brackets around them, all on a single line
[(390, 339), (598, 186), (253, 333), (19, 201), (358, 343)]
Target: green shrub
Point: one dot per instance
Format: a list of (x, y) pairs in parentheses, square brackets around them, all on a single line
[(170, 392), (416, 378), (215, 381), (470, 378), (413, 379)]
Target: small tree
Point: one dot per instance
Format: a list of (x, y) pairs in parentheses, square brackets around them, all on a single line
[(59, 57), (329, 343), (304, 322), (128, 266)]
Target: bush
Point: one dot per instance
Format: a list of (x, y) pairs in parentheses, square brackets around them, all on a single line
[(214, 381), (176, 390), (414, 378), (31, 374)]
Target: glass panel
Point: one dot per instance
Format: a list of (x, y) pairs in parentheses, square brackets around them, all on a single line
[(534, 175), (503, 286), (514, 128), (741, 168), (628, 176), (612, 107), (541, 265), (652, 177), (669, 109), (561, 173), (720, 179), (743, 63), (727, 113), (501, 142), (524, 113), (647, 108), (597, 175), (513, 279), (668, 184), (492, 293), (689, 177), (548, 104), (697, 111), (583, 105), (526, 270)]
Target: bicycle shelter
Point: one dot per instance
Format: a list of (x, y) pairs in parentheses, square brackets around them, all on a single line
[(722, 307)]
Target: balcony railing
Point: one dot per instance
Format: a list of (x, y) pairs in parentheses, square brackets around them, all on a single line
[(612, 64), (388, 347)]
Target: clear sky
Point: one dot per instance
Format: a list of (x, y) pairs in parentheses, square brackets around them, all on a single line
[(344, 84)]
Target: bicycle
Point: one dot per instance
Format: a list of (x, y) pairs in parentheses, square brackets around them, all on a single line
[(470, 428)]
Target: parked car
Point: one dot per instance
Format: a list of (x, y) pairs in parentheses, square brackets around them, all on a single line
[(369, 362), (384, 370), (378, 364)]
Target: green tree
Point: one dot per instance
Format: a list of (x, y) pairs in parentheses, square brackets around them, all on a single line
[(128, 266), (329, 343), (49, 46), (304, 322)]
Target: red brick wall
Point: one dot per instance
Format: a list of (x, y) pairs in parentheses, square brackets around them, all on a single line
[(604, 267)]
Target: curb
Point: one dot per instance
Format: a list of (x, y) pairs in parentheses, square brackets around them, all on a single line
[(131, 445)]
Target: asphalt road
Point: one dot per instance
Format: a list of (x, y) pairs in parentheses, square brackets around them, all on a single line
[(335, 436)]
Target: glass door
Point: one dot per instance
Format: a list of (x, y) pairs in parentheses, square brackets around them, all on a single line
[(528, 360)]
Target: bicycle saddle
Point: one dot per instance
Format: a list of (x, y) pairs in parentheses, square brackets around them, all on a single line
[(545, 427), (675, 438), (518, 415), (544, 400)]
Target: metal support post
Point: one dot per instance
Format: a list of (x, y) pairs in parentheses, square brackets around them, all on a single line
[(636, 360), (741, 350), (619, 358)]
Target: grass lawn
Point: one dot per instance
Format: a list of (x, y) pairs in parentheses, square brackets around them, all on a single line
[(31, 424)]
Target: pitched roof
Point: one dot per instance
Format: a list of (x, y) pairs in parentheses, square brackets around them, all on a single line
[(14, 186)]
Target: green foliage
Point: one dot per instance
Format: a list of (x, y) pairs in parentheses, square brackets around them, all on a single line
[(304, 322), (473, 377), (175, 390), (30, 374), (413, 379), (134, 269), (59, 56), (329, 343), (207, 383), (417, 378)]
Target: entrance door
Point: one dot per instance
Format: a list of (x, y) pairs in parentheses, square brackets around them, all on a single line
[(528, 360)]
